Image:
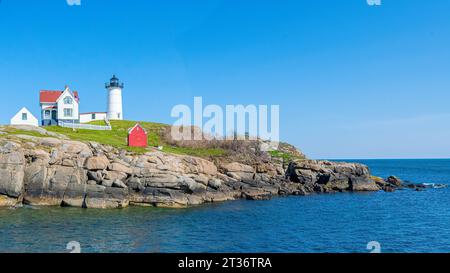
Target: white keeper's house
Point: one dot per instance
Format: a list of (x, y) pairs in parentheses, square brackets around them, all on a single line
[(59, 106), (63, 106)]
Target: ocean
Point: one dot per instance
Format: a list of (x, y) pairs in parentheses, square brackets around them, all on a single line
[(404, 221)]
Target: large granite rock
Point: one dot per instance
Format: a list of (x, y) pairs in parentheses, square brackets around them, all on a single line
[(12, 166), (325, 176), (394, 181), (58, 172), (97, 163), (6, 201)]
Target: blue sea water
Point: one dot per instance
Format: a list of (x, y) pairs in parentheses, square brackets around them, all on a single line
[(404, 221)]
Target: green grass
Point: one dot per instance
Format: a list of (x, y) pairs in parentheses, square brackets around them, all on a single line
[(117, 137), (287, 157), (13, 131), (199, 152)]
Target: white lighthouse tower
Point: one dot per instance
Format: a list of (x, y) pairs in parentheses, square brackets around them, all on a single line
[(114, 88)]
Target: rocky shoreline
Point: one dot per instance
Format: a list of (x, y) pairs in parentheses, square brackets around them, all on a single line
[(51, 171)]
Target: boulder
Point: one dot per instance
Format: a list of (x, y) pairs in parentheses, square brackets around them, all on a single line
[(92, 182), (13, 158), (11, 181), (379, 181), (256, 194), (134, 183), (119, 167), (201, 178), (56, 157), (395, 181), (12, 167), (119, 184), (74, 195), (9, 146), (165, 198), (205, 166), (161, 179), (190, 184), (362, 184), (51, 196), (97, 163), (220, 196), (65, 175), (109, 198), (6, 201), (115, 175), (238, 168), (49, 142), (68, 163), (75, 147), (36, 176), (107, 183), (242, 176), (97, 176), (215, 183), (38, 156), (326, 177)]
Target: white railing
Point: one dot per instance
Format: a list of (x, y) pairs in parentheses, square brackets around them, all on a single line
[(84, 126), (107, 122)]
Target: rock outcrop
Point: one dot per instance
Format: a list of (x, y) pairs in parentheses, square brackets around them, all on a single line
[(327, 177), (393, 183), (48, 171)]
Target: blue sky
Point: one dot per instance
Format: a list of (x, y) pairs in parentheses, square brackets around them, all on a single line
[(352, 80)]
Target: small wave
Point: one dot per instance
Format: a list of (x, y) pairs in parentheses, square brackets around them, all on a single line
[(435, 185)]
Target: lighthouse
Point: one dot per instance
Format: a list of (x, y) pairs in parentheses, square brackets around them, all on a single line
[(114, 88)]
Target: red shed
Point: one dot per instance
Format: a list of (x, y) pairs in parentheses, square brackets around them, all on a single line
[(137, 136)]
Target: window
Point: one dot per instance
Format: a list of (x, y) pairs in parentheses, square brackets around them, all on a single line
[(118, 116), (68, 112), (47, 114), (24, 116), (93, 117), (68, 100)]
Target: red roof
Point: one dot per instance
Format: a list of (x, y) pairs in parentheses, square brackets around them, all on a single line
[(53, 96), (138, 127)]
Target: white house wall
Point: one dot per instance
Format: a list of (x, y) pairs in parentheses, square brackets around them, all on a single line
[(31, 119), (85, 118), (62, 106)]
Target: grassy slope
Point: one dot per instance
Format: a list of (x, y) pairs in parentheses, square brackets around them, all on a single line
[(118, 138), (13, 131), (287, 157)]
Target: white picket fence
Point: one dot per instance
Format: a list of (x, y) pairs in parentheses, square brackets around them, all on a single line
[(84, 126)]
